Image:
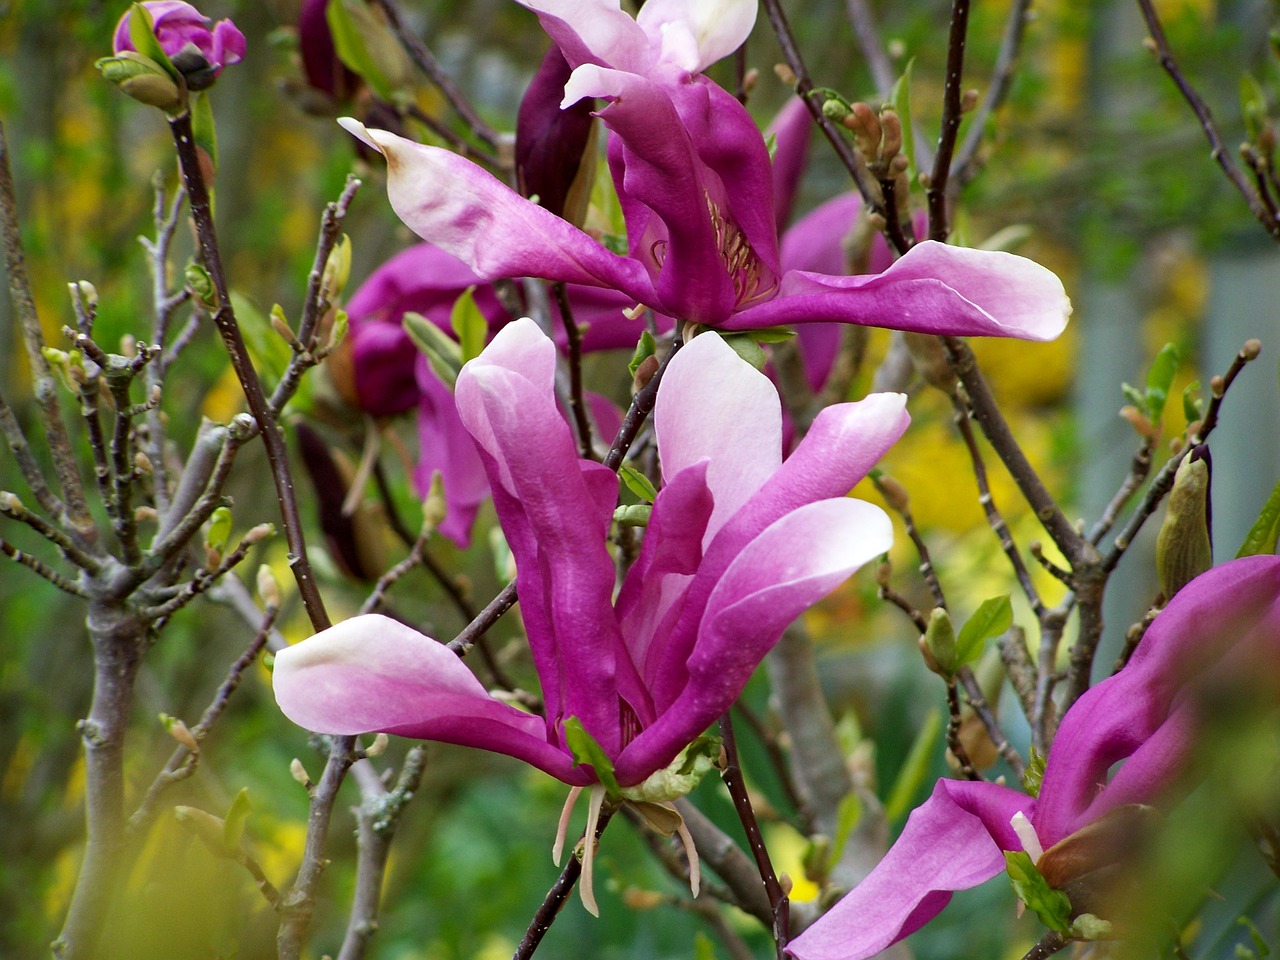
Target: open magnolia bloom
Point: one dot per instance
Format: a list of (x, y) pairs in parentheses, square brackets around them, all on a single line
[(693, 177), (1223, 623), (738, 544)]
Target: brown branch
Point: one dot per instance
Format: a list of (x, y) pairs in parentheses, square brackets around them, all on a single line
[(1015, 27), (952, 114), (577, 406), (1159, 45)]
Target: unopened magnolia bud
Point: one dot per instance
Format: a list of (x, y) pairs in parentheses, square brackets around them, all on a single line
[(968, 100), (145, 515), (1184, 549), (930, 361), (337, 269), (894, 493), (939, 643), (1138, 420), (142, 463), (203, 824), (180, 732), (1251, 349), (378, 747), (268, 586), (259, 533)]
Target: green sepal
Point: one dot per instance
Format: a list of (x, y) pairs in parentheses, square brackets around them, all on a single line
[(915, 768), (1262, 536), (992, 618), (441, 350), (1053, 907), (679, 777), (646, 348), (219, 531), (469, 324), (233, 825), (587, 752), (900, 100), (772, 334), (745, 346), (142, 33), (142, 79), (638, 483)]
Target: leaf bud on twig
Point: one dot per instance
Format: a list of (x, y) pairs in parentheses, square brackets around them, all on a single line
[(268, 587)]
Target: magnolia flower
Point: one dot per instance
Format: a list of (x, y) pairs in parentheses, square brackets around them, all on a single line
[(693, 177), (738, 544), (196, 50), (1145, 715)]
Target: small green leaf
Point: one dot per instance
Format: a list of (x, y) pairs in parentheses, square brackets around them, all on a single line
[(1034, 775), (771, 144), (587, 752), (219, 529), (991, 619), (1134, 396), (1050, 905), (366, 45), (1088, 927), (233, 826), (646, 348), (1192, 404), (469, 324), (268, 349), (440, 349), (1160, 379), (638, 483), (202, 128), (1262, 536), (914, 768), (1259, 942), (1253, 106), (900, 100), (704, 947)]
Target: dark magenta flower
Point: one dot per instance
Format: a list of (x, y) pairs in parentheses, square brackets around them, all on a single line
[(1145, 716), (694, 180), (198, 51)]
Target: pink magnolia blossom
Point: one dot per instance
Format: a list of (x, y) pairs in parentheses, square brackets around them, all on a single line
[(693, 177), (739, 543), (196, 49), (1145, 716)]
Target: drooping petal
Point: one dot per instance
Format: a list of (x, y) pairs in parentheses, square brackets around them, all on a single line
[(782, 572), (555, 512), (371, 673), (933, 288), (712, 405), (472, 215), (712, 29), (953, 841), (1232, 612), (595, 31)]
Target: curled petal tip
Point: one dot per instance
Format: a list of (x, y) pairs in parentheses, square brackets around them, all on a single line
[(360, 132)]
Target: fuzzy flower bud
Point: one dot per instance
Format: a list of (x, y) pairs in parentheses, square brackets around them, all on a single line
[(197, 51), (1184, 549)]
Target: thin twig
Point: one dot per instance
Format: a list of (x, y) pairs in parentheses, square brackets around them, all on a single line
[(183, 761), (12, 507), (556, 896), (225, 320), (428, 64), (1139, 470), (952, 114), (1047, 946), (577, 405), (392, 576), (780, 906), (1159, 45), (994, 518), (961, 755), (71, 510), (43, 569), (973, 693), (965, 164)]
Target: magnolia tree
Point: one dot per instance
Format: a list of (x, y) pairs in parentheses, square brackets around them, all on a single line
[(660, 515)]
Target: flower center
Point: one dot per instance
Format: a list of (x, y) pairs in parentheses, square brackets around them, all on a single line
[(750, 283)]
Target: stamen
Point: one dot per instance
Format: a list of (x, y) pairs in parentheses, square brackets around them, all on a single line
[(691, 854), (586, 884), (1026, 832), (557, 848)]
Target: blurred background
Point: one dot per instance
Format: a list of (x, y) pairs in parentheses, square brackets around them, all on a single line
[(1094, 160)]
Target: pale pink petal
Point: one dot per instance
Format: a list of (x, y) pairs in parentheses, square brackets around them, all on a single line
[(595, 31), (715, 28)]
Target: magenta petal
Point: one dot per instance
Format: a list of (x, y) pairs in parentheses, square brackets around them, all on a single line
[(933, 288), (445, 446), (371, 673), (738, 425), (472, 215), (946, 845), (792, 129)]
